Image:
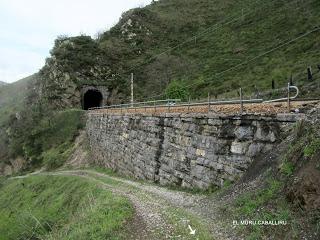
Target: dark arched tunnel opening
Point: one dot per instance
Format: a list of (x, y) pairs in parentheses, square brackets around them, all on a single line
[(91, 99)]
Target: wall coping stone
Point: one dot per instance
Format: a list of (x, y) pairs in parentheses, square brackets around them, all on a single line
[(280, 117)]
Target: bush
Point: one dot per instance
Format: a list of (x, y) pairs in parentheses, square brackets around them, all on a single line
[(177, 90)]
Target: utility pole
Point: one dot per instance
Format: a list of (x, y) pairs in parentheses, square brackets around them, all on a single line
[(289, 107), (131, 89), (309, 73), (241, 102)]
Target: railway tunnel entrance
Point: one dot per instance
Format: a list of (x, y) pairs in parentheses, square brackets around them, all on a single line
[(92, 98)]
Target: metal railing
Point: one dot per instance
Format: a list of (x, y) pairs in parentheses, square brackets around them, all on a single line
[(288, 97), (169, 104), (139, 104), (173, 104)]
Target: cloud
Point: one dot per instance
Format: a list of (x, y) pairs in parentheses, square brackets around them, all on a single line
[(28, 28)]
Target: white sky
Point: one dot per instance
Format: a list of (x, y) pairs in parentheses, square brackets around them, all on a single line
[(28, 28)]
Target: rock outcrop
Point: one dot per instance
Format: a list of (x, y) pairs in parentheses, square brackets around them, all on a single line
[(75, 63)]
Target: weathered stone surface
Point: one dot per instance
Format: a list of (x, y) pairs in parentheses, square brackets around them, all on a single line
[(265, 132), (254, 149), (185, 150), (239, 147), (244, 132)]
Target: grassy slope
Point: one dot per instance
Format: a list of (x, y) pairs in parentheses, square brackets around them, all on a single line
[(42, 138), (57, 135), (273, 202), (41, 207), (51, 139), (265, 25)]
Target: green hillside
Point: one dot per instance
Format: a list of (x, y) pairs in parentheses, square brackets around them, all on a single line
[(229, 33), (12, 97), (12, 101), (201, 46)]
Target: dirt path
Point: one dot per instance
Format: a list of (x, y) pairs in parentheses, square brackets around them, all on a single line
[(162, 213), (152, 204), (204, 208)]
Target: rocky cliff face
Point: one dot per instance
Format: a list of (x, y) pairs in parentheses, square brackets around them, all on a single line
[(78, 62), (74, 63)]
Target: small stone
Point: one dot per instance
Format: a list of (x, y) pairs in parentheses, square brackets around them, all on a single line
[(200, 152), (244, 132)]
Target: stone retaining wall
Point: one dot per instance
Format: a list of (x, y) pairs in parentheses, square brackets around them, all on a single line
[(187, 150)]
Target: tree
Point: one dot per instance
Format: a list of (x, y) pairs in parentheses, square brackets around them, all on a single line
[(177, 90)]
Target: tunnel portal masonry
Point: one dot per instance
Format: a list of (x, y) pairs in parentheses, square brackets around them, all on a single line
[(94, 96)]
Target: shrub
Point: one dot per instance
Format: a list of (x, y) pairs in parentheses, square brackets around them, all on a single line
[(177, 90)]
